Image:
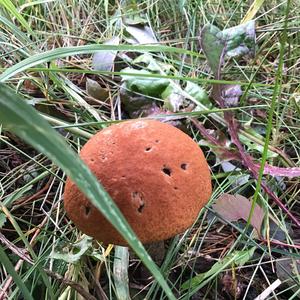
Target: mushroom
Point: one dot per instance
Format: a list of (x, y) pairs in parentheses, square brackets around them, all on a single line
[(156, 174)]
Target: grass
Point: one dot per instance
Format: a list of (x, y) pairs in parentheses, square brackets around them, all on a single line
[(46, 52)]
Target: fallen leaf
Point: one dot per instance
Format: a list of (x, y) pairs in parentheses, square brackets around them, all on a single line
[(72, 253), (172, 98), (235, 207), (94, 89), (104, 60), (231, 94), (142, 34), (240, 40)]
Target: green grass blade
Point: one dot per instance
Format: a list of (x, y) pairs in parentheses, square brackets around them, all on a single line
[(24, 121), (86, 49), (15, 29), (17, 279), (120, 269), (13, 11)]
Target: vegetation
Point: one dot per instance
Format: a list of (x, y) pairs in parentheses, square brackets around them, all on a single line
[(225, 72)]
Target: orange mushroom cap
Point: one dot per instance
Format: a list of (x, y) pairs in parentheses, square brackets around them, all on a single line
[(156, 174)]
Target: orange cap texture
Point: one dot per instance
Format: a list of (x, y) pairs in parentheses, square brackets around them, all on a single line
[(156, 174)]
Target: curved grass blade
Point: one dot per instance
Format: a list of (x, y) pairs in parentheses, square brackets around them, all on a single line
[(86, 49), (24, 121), (17, 279)]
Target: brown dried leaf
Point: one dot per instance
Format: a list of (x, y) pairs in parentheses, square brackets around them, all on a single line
[(236, 207)]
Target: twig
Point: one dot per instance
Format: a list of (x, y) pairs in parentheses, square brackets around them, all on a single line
[(281, 244), (264, 295), (247, 161)]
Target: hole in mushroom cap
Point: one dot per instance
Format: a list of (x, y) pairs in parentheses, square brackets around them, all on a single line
[(184, 166), (167, 170), (156, 141), (103, 157), (175, 188), (87, 210), (138, 201), (141, 207), (147, 149)]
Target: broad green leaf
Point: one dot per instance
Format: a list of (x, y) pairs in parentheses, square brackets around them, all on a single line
[(212, 45), (11, 270), (144, 85), (231, 42), (154, 65), (237, 258), (21, 119)]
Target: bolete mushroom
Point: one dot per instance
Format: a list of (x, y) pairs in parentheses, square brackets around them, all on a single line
[(156, 174)]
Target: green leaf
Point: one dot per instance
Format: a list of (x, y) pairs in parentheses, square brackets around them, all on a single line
[(212, 45), (237, 258), (144, 85), (198, 93), (2, 219), (20, 118), (234, 41), (173, 98), (13, 11), (255, 146), (155, 66), (72, 253), (240, 39)]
